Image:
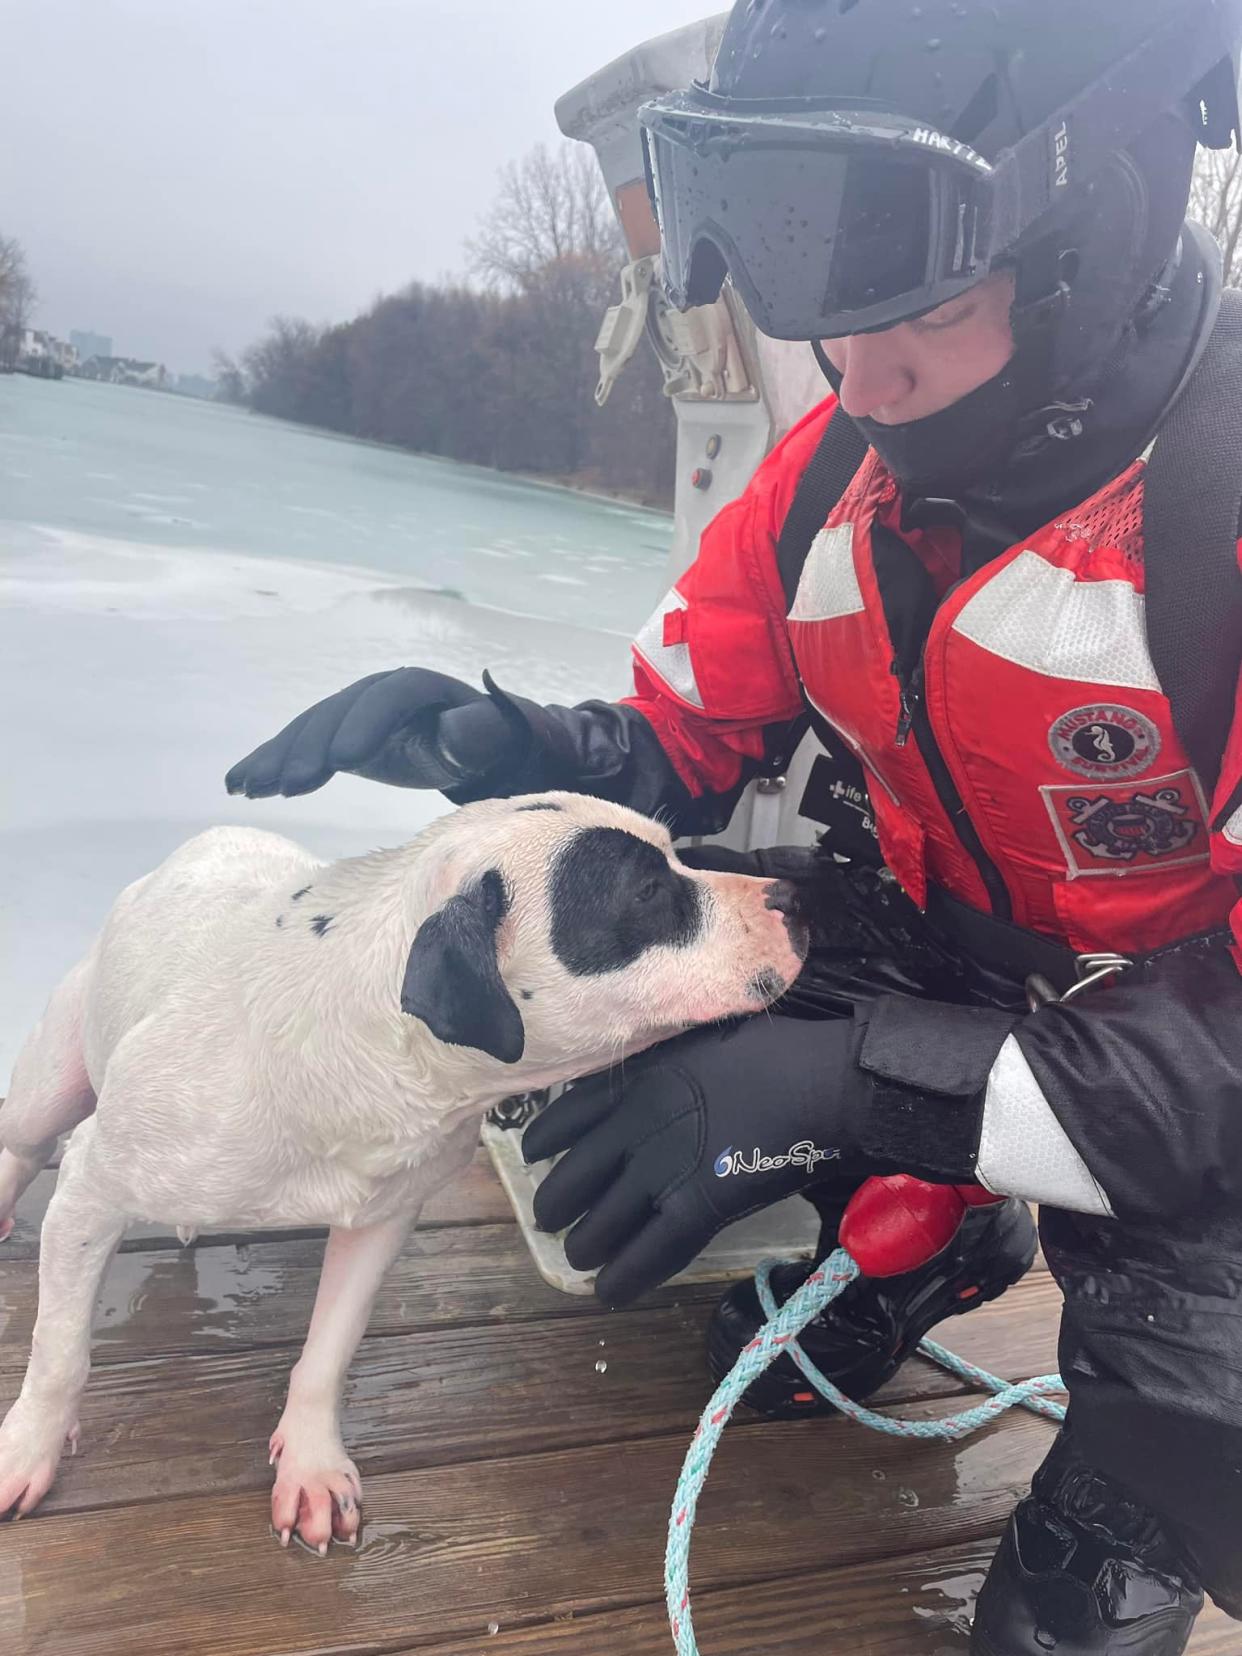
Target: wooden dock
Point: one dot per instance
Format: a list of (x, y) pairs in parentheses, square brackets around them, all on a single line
[(516, 1497)]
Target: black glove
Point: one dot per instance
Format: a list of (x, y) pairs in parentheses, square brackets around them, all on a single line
[(417, 729), (867, 937), (410, 727), (680, 1142)]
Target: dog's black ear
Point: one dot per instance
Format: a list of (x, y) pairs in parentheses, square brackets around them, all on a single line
[(452, 980)]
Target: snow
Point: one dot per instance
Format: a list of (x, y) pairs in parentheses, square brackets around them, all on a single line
[(141, 656)]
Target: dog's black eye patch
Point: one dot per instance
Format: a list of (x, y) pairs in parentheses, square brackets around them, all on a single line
[(540, 805), (614, 896)]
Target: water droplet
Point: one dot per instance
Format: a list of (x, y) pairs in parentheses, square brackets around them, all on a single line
[(603, 1342), (908, 1498), (601, 1367), (493, 1628), (820, 35), (879, 1476), (934, 44)]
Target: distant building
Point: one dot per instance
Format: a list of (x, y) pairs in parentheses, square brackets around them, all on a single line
[(43, 356), (125, 371), (90, 344)]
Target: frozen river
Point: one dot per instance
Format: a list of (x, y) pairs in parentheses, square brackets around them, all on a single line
[(178, 579)]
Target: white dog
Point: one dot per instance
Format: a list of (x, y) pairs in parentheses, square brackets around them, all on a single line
[(261, 1039)]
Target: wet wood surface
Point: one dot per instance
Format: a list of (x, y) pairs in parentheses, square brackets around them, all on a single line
[(474, 1198), (509, 1484)]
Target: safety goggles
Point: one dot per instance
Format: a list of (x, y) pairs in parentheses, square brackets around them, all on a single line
[(827, 221), (834, 221)]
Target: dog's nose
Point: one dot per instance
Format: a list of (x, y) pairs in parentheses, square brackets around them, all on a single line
[(782, 895)]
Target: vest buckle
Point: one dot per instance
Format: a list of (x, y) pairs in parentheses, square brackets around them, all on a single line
[(1092, 969)]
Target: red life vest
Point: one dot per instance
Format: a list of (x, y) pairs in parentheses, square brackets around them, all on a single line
[(1028, 764)]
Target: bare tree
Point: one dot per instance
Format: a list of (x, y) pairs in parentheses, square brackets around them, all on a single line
[(17, 298), (551, 210), (229, 377), (504, 376), (276, 367), (1216, 201), (550, 244)]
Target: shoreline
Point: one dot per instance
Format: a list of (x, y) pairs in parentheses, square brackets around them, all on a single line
[(580, 485), (575, 484)]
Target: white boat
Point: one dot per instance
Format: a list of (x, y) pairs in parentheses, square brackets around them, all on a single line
[(735, 394)]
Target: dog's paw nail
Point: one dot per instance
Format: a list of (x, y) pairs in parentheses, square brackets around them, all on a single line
[(323, 1549), (284, 1537)]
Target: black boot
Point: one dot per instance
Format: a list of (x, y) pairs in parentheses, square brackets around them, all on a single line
[(864, 1337), (1084, 1571)]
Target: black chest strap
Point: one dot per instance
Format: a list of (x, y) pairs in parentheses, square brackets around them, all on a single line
[(1192, 506)]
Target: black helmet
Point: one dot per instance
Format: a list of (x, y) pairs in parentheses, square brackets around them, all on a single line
[(854, 163)]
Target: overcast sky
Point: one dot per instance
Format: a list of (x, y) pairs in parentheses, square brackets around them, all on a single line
[(180, 170)]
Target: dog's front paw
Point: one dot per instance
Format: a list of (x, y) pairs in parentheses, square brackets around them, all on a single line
[(32, 1439), (317, 1497)]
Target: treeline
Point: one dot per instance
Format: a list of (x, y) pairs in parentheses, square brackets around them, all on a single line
[(500, 372)]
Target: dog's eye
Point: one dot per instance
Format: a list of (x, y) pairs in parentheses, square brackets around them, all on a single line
[(646, 891), (495, 902)]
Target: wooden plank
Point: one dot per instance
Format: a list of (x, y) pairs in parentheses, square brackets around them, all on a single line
[(259, 1294), (180, 1307), (174, 1427), (917, 1606), (232, 1297), (474, 1198), (447, 1551), (179, 1426), (199, 1300)]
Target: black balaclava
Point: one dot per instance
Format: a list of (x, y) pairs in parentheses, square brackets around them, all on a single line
[(1113, 302)]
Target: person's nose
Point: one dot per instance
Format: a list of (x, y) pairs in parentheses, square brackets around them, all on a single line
[(874, 375)]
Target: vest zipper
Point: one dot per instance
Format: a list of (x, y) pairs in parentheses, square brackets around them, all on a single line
[(915, 720), (909, 693)]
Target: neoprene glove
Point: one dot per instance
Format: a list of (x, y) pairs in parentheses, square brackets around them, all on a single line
[(668, 1149), (410, 727)]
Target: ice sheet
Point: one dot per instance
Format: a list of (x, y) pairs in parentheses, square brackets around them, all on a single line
[(138, 661)]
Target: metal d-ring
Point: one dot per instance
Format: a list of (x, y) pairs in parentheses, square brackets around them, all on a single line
[(1093, 969)]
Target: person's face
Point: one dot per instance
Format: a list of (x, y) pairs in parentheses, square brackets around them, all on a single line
[(917, 368)]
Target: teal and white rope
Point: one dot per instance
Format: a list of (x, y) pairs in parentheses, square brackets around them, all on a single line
[(780, 1337)]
